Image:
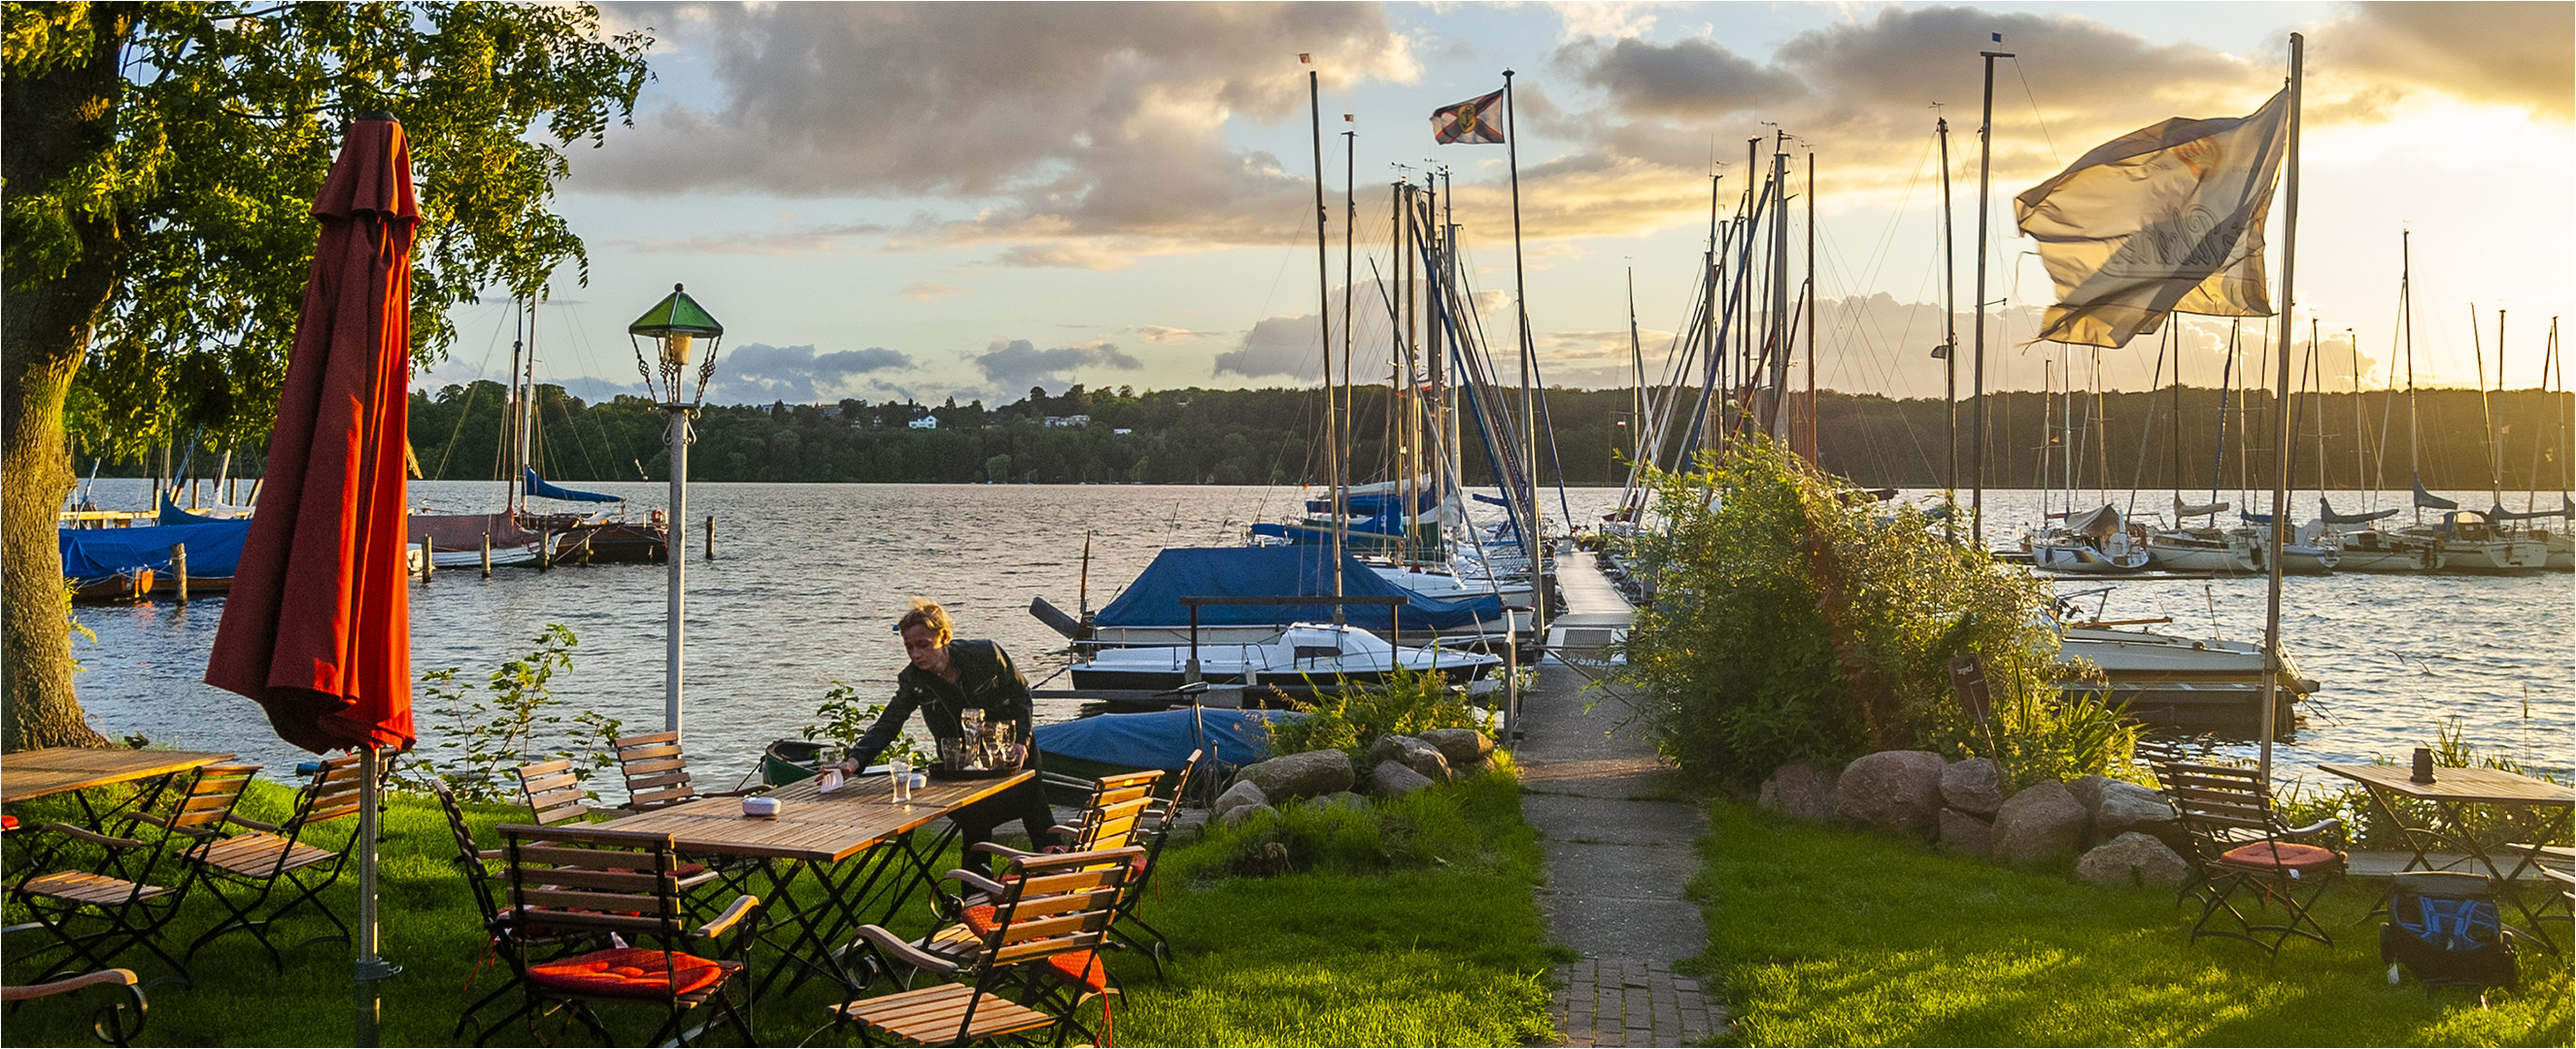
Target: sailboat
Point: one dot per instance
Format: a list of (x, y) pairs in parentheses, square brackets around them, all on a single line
[(2092, 542), (2468, 541)]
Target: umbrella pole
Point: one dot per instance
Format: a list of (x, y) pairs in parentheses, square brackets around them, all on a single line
[(371, 967)]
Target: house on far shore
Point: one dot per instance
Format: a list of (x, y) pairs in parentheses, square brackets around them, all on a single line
[(1122, 431), (927, 422), (1068, 420)]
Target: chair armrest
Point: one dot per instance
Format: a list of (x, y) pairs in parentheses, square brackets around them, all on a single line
[(92, 837), (252, 823), (742, 907), (2325, 826), (978, 882), (897, 948), (66, 985), (1003, 851), (740, 793)]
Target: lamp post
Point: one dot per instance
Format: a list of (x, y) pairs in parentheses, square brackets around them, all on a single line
[(674, 324)]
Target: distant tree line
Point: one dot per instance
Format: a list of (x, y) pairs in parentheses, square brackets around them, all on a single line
[(1274, 436)]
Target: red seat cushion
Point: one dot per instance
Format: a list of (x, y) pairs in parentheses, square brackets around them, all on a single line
[(628, 972), (8, 823), (1081, 969), (981, 918), (2280, 855)]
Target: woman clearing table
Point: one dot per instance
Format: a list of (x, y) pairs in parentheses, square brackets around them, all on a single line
[(978, 710)]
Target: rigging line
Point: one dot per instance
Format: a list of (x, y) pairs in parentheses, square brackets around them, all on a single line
[(1832, 265), (2034, 114), (467, 408), (2146, 437)]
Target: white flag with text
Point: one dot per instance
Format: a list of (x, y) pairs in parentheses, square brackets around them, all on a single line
[(2165, 219)]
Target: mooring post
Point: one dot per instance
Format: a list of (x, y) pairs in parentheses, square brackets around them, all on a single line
[(711, 537), (179, 567), (427, 551), (487, 555)]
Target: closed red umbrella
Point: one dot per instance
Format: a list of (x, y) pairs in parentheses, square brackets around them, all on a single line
[(318, 625)]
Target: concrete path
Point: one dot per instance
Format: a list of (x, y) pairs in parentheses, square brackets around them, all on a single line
[(1619, 854)]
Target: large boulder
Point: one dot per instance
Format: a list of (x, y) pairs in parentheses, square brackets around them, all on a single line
[(1301, 775), (2038, 824), (1341, 800), (1237, 796), (2132, 859), (1391, 779), (2088, 791), (1968, 835), (1466, 748), (1974, 786), (1240, 813), (1801, 790), (2122, 807), (1412, 753), (1894, 792)]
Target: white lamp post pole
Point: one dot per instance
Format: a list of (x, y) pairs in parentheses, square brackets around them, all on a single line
[(675, 323)]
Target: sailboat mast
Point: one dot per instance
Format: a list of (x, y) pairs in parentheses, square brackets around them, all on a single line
[(2360, 430), (2281, 425), (2406, 310), (1350, 405), (1324, 314), (1815, 455), (2477, 349), (1949, 345), (1977, 389), (510, 469), (1528, 350)]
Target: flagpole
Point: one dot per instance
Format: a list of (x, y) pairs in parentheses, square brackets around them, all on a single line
[(1324, 317), (1977, 389), (2281, 426)]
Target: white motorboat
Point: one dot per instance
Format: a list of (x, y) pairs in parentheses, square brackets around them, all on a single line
[(1320, 653)]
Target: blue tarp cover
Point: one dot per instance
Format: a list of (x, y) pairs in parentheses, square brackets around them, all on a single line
[(542, 488), (1154, 599), (1162, 739), (94, 553)]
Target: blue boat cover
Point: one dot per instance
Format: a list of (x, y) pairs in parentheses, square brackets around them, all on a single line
[(172, 515), (1154, 599), (2429, 501), (2331, 517), (2502, 514), (1162, 739), (539, 486), (214, 548)]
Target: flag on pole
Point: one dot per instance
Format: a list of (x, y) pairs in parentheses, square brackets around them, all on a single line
[(2164, 219), (1475, 122)]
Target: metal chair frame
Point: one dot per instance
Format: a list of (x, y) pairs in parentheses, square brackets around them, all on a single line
[(2241, 845), (118, 889), (270, 855)]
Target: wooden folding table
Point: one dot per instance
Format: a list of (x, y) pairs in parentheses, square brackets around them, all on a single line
[(2509, 807), (857, 841), (31, 774)]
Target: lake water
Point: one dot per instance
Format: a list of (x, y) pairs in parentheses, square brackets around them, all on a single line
[(808, 579)]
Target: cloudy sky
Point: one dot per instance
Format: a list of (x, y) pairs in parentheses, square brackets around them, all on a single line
[(887, 200)]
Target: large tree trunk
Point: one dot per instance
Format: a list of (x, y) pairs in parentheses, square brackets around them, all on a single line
[(58, 118)]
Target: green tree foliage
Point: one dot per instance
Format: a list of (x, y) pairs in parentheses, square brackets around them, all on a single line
[(1796, 619), (160, 166)]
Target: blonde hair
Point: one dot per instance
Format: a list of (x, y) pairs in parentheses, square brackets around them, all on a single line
[(926, 612)]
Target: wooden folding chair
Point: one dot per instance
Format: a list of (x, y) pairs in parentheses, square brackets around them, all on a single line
[(1133, 931), (499, 920), (602, 882), (116, 893), (1032, 956), (2243, 847), (271, 856), (120, 1012), (657, 773)]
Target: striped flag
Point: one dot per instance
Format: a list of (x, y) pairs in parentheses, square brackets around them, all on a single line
[(1475, 122)]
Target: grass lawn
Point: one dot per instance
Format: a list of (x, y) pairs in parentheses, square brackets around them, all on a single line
[(1351, 952), (1823, 937)]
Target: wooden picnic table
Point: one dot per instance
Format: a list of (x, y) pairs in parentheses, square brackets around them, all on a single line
[(31, 774), (856, 841), (2517, 808)]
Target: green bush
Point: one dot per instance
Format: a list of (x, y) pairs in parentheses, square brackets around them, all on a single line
[(1432, 827), (1407, 703), (1797, 619)]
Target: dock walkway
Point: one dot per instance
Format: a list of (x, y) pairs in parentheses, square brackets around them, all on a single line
[(1618, 853)]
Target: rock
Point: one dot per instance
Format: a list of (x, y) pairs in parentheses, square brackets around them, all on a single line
[(2088, 792), (1415, 754), (1964, 834), (2038, 824), (1465, 748), (2133, 859), (1238, 796), (1391, 779), (1240, 813), (1974, 786), (1302, 775), (1894, 792), (1342, 800), (1799, 790), (2123, 807)]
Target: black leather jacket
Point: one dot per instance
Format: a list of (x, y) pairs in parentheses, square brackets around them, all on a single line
[(986, 681)]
